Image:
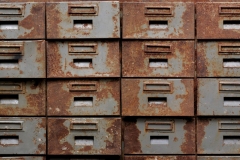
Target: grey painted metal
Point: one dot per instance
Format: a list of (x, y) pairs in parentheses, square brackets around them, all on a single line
[(22, 158), (218, 96), (22, 59), (218, 157), (83, 20), (31, 133)]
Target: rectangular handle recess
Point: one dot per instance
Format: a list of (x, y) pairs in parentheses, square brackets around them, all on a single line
[(76, 49), (11, 125), (165, 87), (84, 126), (83, 10), (83, 87), (228, 49), (229, 86), (11, 10), (11, 86), (229, 125), (160, 126), (11, 50), (158, 11), (229, 10), (154, 48)]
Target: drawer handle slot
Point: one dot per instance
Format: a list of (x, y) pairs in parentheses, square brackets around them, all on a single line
[(8, 25), (229, 86), (229, 49), (159, 86), (160, 126), (231, 24), (9, 99), (159, 140), (84, 140), (157, 101), (83, 63), (11, 86), (84, 126), (162, 49), (83, 10), (158, 63), (11, 50), (83, 101), (9, 140), (231, 140), (11, 125), (77, 49), (231, 102), (231, 63), (83, 87), (161, 24), (158, 11), (9, 64), (234, 10), (229, 126), (83, 24), (8, 10)]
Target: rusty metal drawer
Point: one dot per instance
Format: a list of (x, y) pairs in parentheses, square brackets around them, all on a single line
[(88, 157), (159, 136), (218, 59), (159, 157), (22, 59), (22, 20), (158, 58), (218, 157), (218, 135), (84, 136), (22, 135), (22, 158), (158, 20), (73, 20), (83, 97), (157, 97), (22, 97), (218, 96), (83, 59), (218, 20)]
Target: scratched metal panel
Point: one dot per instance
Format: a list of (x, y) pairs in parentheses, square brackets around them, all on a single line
[(84, 136), (158, 59), (159, 136), (158, 20), (71, 20), (22, 59), (83, 97), (159, 157), (22, 97), (83, 59), (218, 20), (22, 20), (22, 135), (157, 97), (22, 158), (218, 157), (218, 136), (218, 59)]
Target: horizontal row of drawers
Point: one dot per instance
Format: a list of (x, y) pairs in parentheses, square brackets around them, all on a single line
[(152, 20), (26, 59)]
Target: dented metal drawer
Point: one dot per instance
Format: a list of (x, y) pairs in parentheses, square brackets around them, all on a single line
[(157, 97), (218, 59), (218, 157), (22, 20), (158, 20), (159, 136), (218, 20), (22, 135), (218, 135), (22, 158), (84, 97), (83, 59), (159, 157), (22, 97), (84, 136), (73, 20), (218, 96), (22, 59), (158, 58)]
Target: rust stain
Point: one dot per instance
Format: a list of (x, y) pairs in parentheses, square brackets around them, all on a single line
[(201, 124), (53, 19), (159, 157), (202, 62)]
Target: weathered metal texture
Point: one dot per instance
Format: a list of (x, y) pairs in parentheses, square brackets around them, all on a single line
[(22, 59), (218, 20), (218, 136), (22, 135), (91, 157), (22, 97), (83, 97), (218, 157), (22, 20), (175, 136), (65, 135), (159, 157), (173, 58), (218, 59), (22, 158), (83, 59), (218, 96), (157, 97), (160, 20), (83, 20)]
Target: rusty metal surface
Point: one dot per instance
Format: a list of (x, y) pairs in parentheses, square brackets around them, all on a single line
[(179, 56), (138, 132), (218, 20), (22, 97), (30, 134), (104, 56), (218, 136), (218, 59), (30, 20), (176, 97), (159, 157), (22, 158), (22, 59), (62, 17), (218, 157), (106, 134), (97, 157), (158, 20), (105, 94)]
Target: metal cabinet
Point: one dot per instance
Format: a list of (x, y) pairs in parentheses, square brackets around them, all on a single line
[(92, 157), (84, 97), (21, 97), (22, 59), (157, 97), (84, 136), (71, 20), (218, 96), (22, 158), (218, 135), (83, 59), (218, 157), (158, 59), (159, 136), (158, 20), (22, 20), (218, 20), (22, 135), (218, 59), (159, 157)]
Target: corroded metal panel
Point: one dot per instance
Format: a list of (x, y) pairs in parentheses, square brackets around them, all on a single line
[(218, 157), (22, 158), (159, 157)]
